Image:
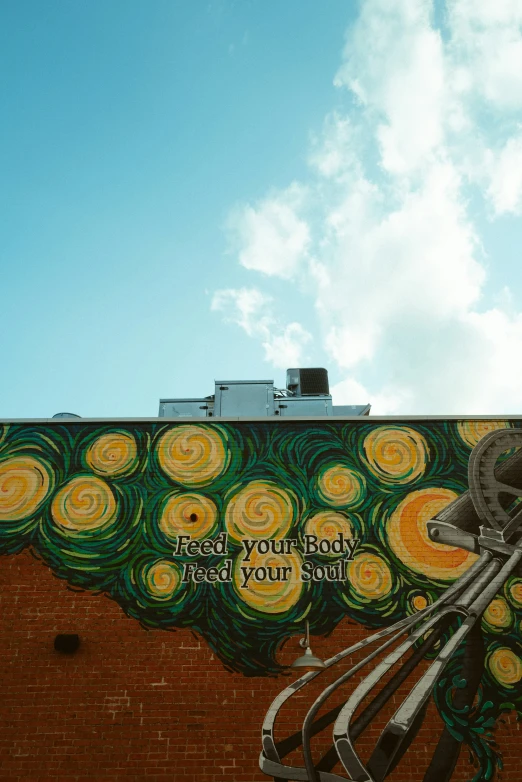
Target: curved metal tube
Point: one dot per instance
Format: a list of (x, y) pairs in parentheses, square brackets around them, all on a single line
[(397, 732), (400, 627), (270, 748)]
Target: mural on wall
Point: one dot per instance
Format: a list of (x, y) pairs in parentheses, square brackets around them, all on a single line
[(243, 531)]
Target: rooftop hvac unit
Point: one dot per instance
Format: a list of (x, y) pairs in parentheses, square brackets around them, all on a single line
[(308, 382)]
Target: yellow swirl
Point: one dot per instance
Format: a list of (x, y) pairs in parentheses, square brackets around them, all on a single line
[(162, 579), (505, 666), (270, 597), (338, 486), (188, 514), (370, 576), (328, 524), (408, 536), (24, 484), (498, 615), (112, 454), (515, 592), (84, 503), (473, 431), (396, 454), (259, 510), (192, 455), (419, 602)]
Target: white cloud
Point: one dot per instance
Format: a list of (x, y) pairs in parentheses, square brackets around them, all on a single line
[(391, 247), (505, 177), (385, 402), (251, 309), (286, 349), (492, 360), (334, 152), (350, 343), (393, 62), (413, 263), (487, 40), (247, 307), (270, 237)]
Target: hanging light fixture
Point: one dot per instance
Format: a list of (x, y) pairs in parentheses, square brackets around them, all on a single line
[(308, 661)]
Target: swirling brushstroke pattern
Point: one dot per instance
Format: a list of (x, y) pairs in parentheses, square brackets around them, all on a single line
[(259, 510), (409, 541), (267, 596), (192, 455), (328, 525), (24, 485), (396, 454), (103, 505), (340, 486), (188, 514), (84, 504), (112, 454)]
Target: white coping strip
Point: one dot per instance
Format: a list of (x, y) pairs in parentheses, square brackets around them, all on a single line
[(279, 419)]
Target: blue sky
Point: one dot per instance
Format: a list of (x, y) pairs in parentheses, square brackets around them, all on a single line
[(196, 190)]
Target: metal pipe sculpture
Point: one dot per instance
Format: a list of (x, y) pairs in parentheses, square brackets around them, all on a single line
[(487, 520)]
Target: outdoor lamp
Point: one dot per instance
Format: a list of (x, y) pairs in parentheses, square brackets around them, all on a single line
[(308, 661)]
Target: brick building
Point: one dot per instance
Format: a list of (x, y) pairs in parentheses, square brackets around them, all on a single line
[(188, 555)]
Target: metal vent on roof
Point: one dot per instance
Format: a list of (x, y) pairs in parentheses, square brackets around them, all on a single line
[(308, 381)]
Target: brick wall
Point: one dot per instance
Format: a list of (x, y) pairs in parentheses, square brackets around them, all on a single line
[(145, 705)]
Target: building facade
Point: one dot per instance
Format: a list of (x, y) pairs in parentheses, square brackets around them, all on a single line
[(187, 557)]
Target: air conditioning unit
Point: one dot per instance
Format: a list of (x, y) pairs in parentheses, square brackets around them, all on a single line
[(308, 381)]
